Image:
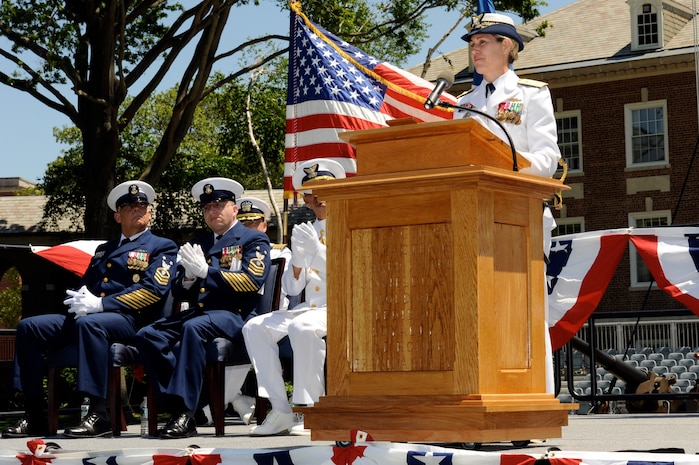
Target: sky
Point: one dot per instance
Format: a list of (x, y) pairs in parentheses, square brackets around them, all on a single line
[(27, 144)]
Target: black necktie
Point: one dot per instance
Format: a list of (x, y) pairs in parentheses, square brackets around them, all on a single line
[(124, 241), (489, 89)]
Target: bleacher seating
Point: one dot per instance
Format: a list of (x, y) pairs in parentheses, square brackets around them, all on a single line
[(678, 362), (678, 369), (660, 369)]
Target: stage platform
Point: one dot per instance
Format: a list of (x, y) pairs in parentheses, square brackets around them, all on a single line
[(584, 433)]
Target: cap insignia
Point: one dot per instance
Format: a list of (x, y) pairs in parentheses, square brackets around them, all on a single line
[(246, 206)]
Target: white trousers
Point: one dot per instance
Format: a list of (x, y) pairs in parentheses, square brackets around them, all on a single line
[(306, 329), (234, 379)]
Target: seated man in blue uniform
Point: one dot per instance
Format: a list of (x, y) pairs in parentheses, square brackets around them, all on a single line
[(123, 289), (219, 280)]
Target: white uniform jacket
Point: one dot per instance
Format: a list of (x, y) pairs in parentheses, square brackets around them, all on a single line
[(525, 109)]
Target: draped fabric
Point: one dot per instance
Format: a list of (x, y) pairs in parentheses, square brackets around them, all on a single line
[(74, 256), (582, 265), (369, 453)]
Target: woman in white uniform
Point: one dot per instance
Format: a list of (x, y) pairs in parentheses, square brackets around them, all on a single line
[(522, 106)]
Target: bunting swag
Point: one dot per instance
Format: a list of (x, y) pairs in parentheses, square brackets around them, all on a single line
[(370, 453), (335, 87), (673, 260), (579, 270), (581, 266)]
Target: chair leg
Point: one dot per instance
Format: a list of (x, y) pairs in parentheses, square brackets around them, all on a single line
[(216, 376), (116, 413), (52, 400), (152, 410), (261, 406)]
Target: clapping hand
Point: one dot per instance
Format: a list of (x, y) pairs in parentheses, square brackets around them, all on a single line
[(193, 260), (298, 252), (307, 234)]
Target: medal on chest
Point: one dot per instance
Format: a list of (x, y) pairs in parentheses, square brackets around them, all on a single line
[(137, 260), (510, 111), (230, 253)]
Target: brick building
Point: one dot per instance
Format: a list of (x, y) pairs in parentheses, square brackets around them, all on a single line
[(624, 86)]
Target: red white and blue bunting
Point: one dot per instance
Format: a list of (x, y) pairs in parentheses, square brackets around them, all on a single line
[(369, 453), (582, 265)]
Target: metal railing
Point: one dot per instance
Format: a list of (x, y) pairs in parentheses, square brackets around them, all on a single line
[(642, 331), (660, 331)]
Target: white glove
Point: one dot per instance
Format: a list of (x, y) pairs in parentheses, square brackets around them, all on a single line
[(194, 261), (298, 253), (309, 237), (83, 302)]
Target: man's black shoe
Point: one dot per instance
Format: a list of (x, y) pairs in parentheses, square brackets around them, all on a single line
[(23, 429), (181, 426), (92, 426)]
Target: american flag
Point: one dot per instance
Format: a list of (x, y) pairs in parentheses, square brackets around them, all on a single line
[(335, 87)]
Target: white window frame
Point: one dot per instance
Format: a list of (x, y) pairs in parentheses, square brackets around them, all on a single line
[(634, 259), (573, 114), (580, 220), (636, 10), (629, 136)]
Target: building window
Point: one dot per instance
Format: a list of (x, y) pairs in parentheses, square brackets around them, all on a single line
[(640, 275), (646, 133), (569, 139), (647, 29), (568, 226)]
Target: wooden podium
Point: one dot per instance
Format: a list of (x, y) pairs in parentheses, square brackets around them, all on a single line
[(436, 292)]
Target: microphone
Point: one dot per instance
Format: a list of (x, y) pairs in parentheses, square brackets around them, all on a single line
[(444, 81), (492, 118)]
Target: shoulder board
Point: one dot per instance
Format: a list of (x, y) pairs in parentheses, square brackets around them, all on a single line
[(532, 83), (465, 93), (278, 246)]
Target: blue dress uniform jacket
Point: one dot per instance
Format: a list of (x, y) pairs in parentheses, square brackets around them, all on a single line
[(134, 278), (219, 306), (133, 281), (238, 264)]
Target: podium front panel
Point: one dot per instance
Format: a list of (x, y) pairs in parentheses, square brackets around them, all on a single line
[(439, 297)]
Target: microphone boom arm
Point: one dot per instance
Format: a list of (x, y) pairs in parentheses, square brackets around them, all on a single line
[(478, 112)]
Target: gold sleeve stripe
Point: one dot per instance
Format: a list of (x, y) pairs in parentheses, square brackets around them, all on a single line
[(240, 282), (138, 299)]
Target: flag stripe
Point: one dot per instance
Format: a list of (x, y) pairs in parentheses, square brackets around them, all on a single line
[(335, 87), (575, 292), (670, 263)]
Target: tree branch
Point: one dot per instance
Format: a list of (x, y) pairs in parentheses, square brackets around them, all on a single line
[(29, 86)]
